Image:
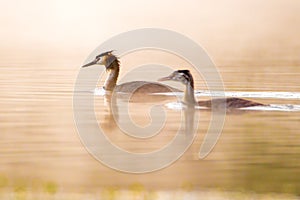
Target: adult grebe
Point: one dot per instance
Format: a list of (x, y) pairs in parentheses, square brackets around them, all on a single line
[(112, 65), (185, 77)]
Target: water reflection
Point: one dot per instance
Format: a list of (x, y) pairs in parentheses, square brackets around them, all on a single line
[(176, 141), (111, 116), (116, 102), (40, 150)]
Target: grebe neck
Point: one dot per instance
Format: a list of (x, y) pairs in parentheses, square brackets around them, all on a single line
[(111, 80), (189, 97)]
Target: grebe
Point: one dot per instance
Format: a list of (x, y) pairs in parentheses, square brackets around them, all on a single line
[(112, 65), (185, 77)]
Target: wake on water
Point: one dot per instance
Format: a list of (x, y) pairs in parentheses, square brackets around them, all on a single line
[(205, 93)]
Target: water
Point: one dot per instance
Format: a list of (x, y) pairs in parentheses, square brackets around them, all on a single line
[(256, 156)]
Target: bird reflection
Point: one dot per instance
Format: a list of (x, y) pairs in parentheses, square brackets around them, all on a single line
[(111, 114), (190, 116), (115, 102)]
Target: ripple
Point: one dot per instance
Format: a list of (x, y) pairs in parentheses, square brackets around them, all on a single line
[(206, 93), (275, 95)]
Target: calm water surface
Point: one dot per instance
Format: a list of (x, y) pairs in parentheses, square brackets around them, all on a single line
[(257, 155)]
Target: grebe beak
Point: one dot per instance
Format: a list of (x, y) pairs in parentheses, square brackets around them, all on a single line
[(90, 64), (167, 78)]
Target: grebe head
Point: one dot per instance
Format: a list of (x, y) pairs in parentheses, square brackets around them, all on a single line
[(183, 76), (106, 58)]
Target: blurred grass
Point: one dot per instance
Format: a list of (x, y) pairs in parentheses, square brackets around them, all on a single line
[(22, 189)]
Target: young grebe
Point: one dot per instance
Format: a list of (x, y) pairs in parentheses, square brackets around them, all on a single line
[(112, 65), (185, 77)]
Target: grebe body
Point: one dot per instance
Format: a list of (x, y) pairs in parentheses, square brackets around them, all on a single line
[(112, 65)]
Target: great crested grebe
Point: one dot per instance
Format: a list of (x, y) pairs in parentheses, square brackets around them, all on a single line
[(112, 65), (185, 77)]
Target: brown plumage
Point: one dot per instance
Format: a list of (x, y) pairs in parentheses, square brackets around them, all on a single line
[(112, 65)]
